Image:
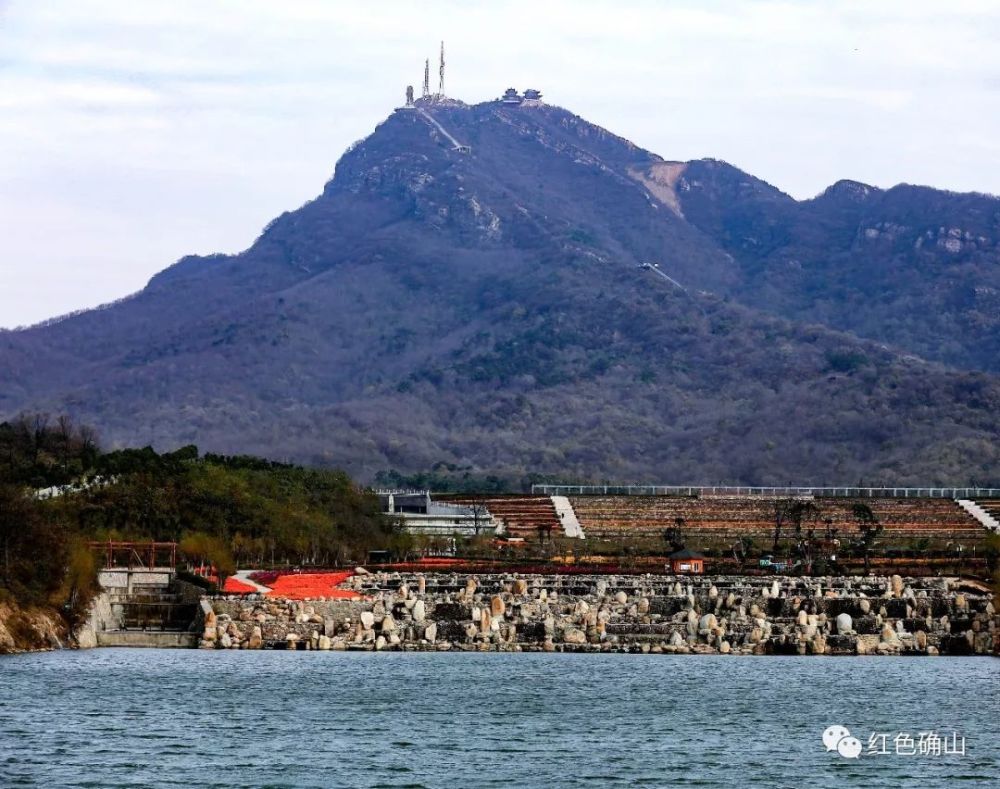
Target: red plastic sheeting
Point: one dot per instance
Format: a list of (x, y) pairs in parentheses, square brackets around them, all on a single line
[(308, 586), (235, 586)]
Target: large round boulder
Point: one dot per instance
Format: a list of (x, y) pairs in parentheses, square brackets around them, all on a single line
[(844, 623)]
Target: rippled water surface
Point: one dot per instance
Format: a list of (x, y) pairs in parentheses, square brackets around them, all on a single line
[(152, 718)]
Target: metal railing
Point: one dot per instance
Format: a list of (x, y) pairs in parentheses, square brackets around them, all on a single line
[(122, 555), (742, 490)]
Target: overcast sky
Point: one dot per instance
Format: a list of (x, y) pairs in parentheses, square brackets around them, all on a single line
[(134, 132)]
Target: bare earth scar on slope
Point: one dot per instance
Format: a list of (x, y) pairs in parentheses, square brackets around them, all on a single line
[(660, 178)]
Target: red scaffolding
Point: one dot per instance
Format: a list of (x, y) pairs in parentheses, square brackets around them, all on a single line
[(147, 555)]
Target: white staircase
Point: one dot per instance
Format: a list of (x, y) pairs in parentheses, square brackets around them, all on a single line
[(455, 144), (567, 517), (981, 515)]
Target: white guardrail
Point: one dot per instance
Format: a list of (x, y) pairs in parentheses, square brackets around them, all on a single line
[(726, 490)]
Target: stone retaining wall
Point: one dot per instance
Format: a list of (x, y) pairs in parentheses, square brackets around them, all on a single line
[(660, 614)]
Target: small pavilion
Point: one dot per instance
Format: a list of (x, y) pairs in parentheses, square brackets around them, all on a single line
[(687, 561)]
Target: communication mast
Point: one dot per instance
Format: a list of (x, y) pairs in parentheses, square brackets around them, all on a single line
[(427, 79), (441, 73)]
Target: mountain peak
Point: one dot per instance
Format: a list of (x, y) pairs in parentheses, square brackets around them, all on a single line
[(452, 132), (846, 189), (476, 286), (719, 178)]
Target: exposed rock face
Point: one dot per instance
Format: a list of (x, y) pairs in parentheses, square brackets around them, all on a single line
[(31, 629), (657, 614)]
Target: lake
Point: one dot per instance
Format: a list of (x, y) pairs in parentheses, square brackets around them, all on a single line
[(159, 718)]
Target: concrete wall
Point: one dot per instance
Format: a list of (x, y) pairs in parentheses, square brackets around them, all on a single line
[(125, 580), (135, 638)]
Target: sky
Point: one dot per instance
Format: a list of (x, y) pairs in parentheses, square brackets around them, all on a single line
[(133, 133)]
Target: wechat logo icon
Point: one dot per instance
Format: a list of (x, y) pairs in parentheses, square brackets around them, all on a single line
[(839, 739)]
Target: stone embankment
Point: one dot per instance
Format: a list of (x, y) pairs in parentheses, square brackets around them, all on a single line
[(658, 614)]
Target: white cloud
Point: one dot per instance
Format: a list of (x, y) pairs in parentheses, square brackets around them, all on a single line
[(133, 133)]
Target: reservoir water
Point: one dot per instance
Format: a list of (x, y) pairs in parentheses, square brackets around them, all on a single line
[(152, 718)]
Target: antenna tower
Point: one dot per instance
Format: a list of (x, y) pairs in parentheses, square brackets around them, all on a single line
[(427, 79), (441, 73)]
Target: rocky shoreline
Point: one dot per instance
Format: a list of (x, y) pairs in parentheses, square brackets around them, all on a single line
[(735, 615), (31, 629)]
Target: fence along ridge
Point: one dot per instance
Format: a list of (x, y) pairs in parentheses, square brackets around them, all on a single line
[(744, 490)]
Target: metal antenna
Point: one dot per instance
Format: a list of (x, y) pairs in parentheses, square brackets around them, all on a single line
[(427, 79), (441, 72)]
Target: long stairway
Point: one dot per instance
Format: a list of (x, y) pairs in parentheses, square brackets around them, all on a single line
[(982, 514), (567, 516), (456, 145)]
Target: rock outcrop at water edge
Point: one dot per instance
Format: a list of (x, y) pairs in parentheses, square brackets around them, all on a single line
[(733, 615)]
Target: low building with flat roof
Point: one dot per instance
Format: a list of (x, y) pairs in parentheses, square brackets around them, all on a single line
[(421, 515)]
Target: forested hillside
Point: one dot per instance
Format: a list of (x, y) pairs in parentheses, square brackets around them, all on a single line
[(486, 310), (59, 491), (912, 266)]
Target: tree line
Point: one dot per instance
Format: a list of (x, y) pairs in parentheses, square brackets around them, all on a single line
[(223, 511)]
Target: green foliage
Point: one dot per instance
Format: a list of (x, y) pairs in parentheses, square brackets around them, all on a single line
[(259, 512), (223, 510), (208, 549), (863, 515), (992, 554), (42, 559), (33, 546), (846, 361), (79, 582)]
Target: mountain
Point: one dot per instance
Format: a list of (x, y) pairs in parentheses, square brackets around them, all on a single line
[(482, 306), (911, 266)]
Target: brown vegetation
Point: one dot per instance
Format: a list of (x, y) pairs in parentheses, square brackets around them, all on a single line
[(487, 311)]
